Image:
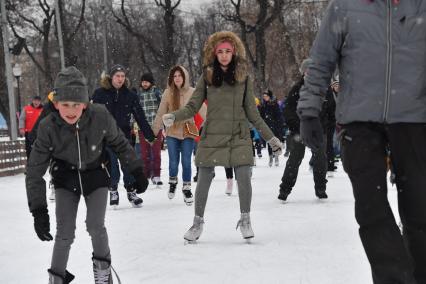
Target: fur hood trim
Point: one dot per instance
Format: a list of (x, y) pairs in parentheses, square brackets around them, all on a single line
[(105, 81), (240, 54)]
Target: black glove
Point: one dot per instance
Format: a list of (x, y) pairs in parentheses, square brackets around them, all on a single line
[(311, 132), (141, 182), (42, 224)]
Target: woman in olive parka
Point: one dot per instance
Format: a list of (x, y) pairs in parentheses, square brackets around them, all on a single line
[(225, 139)]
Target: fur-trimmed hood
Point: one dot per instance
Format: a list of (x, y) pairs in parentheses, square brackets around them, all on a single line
[(240, 55), (105, 82), (187, 81)]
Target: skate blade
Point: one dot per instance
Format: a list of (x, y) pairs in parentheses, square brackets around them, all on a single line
[(249, 239), (136, 205), (189, 203), (114, 207), (189, 242)]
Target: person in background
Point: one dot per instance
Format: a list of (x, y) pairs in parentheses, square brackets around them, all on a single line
[(180, 143), (271, 114), (331, 96), (74, 136), (27, 120), (225, 140), (297, 149), (149, 98), (122, 103)]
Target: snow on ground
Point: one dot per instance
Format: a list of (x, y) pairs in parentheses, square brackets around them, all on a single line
[(304, 241)]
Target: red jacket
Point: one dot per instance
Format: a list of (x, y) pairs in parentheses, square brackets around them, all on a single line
[(31, 115)]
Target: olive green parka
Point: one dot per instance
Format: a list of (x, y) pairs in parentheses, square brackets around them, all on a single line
[(225, 139)]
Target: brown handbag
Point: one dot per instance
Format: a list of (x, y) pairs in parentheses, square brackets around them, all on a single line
[(190, 130)]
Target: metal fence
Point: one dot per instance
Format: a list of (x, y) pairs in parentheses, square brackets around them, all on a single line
[(12, 157)]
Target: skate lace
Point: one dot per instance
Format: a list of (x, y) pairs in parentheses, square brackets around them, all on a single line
[(187, 193), (243, 223), (114, 195), (132, 196), (102, 275)]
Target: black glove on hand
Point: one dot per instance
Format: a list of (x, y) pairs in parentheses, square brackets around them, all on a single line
[(42, 224), (311, 132), (141, 182)]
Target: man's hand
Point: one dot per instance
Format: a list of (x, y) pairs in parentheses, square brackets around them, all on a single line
[(311, 132)]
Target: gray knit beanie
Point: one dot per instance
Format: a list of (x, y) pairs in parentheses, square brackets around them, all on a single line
[(71, 85), (304, 65)]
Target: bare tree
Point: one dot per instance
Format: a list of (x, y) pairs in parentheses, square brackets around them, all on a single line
[(256, 25), (71, 24)]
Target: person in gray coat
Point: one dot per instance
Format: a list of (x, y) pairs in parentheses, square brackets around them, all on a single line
[(74, 137), (380, 49)]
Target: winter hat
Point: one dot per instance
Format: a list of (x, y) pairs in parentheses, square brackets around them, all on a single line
[(36, 98), (71, 85), (116, 68), (268, 93), (148, 77), (224, 44), (304, 65)]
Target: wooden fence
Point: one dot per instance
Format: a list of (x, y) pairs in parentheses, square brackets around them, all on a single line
[(12, 157)]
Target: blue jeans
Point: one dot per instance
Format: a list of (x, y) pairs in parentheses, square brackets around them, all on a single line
[(175, 147), (115, 172)]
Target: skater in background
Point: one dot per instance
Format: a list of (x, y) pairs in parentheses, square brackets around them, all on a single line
[(297, 150), (271, 114), (75, 136), (331, 96), (381, 106), (180, 143), (225, 140), (123, 104), (27, 120), (150, 97)]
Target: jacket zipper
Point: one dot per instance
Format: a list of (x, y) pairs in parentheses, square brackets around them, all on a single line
[(79, 158), (388, 60)]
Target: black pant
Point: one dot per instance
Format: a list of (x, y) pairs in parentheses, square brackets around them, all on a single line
[(28, 144), (330, 148), (229, 173), (393, 257), (297, 152)]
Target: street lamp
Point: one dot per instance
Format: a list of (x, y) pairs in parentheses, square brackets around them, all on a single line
[(17, 72)]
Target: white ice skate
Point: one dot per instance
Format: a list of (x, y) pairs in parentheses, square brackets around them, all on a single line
[(229, 186), (194, 233), (245, 227)]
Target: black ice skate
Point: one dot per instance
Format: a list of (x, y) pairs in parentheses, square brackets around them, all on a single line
[(172, 189), (135, 200)]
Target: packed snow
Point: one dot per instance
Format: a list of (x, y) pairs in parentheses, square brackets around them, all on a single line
[(302, 241)]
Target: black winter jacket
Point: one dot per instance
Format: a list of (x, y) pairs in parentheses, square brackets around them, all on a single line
[(77, 152), (271, 114), (122, 104), (327, 114)]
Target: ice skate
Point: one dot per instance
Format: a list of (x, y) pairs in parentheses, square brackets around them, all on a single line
[(52, 193), (135, 200), (172, 187), (157, 181), (194, 233), (55, 278), (102, 271), (114, 198), (229, 186), (271, 160), (283, 196), (187, 194), (321, 194), (245, 226), (277, 161)]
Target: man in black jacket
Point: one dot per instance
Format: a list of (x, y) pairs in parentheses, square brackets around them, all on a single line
[(297, 150), (122, 103)]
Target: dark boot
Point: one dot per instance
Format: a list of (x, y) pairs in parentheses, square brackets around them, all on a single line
[(55, 278)]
